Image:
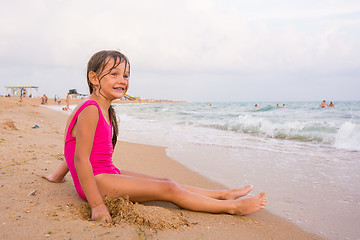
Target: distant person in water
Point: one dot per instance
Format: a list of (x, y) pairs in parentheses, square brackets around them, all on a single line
[(324, 104), (284, 105), (256, 105), (331, 104)]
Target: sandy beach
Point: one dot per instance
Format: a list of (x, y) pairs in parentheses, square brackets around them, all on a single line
[(33, 208)]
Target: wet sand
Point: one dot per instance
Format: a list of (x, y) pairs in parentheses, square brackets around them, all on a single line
[(34, 208)]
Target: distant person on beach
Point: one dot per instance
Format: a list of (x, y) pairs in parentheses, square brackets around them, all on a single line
[(68, 101), (324, 104), (331, 105), (91, 135), (57, 99), (22, 94), (67, 107), (44, 99)]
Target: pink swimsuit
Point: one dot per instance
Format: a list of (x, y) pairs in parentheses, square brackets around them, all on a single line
[(102, 150)]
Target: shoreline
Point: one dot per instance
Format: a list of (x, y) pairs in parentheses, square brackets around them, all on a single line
[(28, 153)]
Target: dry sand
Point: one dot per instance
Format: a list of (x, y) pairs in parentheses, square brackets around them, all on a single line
[(33, 208)]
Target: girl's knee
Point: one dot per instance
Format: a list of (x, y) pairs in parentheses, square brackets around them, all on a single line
[(171, 187)]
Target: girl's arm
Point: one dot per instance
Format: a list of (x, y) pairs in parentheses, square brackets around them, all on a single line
[(59, 175), (84, 131)]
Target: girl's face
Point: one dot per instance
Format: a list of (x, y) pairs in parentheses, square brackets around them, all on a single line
[(114, 84)]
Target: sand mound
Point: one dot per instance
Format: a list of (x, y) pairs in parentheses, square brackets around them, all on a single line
[(153, 217), (9, 125)]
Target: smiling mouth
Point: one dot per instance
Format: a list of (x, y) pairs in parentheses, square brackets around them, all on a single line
[(120, 88)]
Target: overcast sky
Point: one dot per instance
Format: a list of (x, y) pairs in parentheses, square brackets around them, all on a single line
[(195, 50)]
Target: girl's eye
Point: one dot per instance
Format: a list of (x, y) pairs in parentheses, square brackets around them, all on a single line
[(126, 77), (114, 74)]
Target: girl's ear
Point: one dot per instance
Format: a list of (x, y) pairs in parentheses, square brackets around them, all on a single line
[(93, 78)]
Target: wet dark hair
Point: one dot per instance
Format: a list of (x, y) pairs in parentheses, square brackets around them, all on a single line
[(97, 64)]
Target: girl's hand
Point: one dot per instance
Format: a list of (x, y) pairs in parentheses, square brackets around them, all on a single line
[(54, 179), (100, 213)]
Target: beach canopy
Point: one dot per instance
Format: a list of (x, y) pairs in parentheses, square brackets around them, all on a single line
[(17, 89), (20, 87)]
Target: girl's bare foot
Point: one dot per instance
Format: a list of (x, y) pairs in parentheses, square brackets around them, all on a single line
[(236, 193), (249, 205), (54, 179)]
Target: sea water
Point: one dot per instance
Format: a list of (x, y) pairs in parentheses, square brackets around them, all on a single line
[(306, 158)]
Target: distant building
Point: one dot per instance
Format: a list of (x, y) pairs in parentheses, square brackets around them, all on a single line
[(75, 94)]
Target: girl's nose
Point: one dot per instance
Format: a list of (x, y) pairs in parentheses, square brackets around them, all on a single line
[(121, 79)]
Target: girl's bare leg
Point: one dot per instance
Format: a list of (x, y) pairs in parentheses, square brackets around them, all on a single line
[(230, 194), (59, 175), (143, 190), (217, 194)]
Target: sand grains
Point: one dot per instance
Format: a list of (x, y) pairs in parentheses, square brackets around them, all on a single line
[(122, 210)]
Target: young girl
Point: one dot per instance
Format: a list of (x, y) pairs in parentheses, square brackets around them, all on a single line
[(91, 135)]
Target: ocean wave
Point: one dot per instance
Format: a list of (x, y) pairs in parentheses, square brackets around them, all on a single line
[(265, 109), (348, 137), (318, 131)]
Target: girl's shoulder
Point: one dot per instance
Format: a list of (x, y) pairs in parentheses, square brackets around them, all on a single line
[(81, 106)]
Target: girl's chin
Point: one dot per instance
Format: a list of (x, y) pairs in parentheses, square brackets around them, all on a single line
[(118, 95)]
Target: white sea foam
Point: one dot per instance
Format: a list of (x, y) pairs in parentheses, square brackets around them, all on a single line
[(59, 108), (348, 136)]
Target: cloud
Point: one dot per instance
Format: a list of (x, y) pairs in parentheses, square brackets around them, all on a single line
[(190, 41)]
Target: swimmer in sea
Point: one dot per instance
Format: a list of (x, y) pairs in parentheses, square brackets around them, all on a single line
[(324, 104)]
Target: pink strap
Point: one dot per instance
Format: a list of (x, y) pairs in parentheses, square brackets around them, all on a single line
[(73, 120)]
